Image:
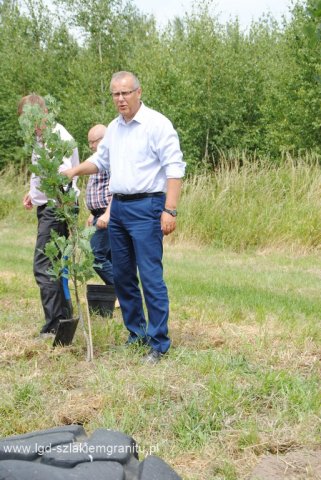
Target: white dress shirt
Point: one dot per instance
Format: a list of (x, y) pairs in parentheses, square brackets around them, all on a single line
[(39, 198), (141, 154)]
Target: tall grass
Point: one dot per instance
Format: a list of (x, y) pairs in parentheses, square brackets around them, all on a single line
[(244, 204), (254, 204)]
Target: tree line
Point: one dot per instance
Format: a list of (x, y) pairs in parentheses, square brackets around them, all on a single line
[(226, 90)]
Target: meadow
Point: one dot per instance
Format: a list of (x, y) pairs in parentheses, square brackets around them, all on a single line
[(242, 378)]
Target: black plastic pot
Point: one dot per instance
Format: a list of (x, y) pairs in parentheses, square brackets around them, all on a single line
[(101, 299)]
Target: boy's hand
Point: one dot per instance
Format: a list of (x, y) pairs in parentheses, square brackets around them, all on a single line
[(27, 202)]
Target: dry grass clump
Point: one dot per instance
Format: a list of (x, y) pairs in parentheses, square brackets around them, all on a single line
[(79, 406)]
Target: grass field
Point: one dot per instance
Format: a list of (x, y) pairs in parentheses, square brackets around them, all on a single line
[(242, 378)]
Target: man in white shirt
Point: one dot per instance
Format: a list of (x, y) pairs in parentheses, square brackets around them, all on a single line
[(142, 150), (53, 300)]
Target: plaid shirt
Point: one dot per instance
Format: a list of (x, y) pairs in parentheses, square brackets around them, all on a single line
[(97, 191)]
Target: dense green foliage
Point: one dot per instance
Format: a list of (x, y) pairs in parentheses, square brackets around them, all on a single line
[(226, 90)]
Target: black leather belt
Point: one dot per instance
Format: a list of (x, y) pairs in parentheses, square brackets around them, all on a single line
[(98, 211), (136, 196)]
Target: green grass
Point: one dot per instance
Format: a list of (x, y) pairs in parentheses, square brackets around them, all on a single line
[(242, 378), (243, 375)]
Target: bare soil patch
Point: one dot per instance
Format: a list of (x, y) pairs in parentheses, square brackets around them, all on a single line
[(295, 465)]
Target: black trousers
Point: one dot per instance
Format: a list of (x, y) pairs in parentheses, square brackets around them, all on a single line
[(53, 300)]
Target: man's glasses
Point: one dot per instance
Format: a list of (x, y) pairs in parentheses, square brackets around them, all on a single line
[(123, 94), (91, 142)]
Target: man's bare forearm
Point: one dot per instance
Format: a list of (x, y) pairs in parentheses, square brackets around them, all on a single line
[(85, 168), (173, 192)]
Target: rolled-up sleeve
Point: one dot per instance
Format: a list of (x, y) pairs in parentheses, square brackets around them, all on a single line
[(101, 157), (169, 151)]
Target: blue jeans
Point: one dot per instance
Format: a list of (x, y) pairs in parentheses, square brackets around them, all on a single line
[(137, 243), (100, 244)]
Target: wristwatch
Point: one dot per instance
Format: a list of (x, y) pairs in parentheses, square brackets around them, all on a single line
[(171, 212)]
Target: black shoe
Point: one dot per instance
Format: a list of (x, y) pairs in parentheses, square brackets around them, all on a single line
[(52, 330), (153, 357)]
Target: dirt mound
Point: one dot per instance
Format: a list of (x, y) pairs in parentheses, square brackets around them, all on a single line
[(295, 465)]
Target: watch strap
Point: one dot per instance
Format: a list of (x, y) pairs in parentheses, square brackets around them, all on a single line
[(171, 212)]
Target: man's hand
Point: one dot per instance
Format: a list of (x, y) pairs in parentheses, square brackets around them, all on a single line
[(103, 220), (27, 202), (90, 220), (168, 223), (68, 173)]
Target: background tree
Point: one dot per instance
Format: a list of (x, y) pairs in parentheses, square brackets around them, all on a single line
[(228, 92)]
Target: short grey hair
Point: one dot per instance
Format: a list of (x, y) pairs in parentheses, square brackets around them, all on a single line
[(122, 74)]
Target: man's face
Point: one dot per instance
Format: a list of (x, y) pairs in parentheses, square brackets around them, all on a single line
[(126, 97), (93, 141)]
